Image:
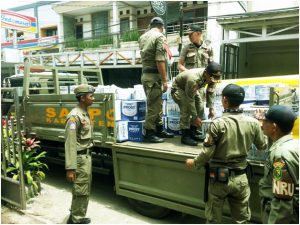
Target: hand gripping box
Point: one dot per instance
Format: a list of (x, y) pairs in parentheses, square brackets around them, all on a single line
[(132, 110), (136, 131)]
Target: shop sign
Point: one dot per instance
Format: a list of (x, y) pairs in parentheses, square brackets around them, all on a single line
[(16, 21)]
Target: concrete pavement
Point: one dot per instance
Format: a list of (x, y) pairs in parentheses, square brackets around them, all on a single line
[(105, 207)]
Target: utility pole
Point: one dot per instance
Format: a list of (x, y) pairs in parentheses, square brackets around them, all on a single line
[(181, 26)]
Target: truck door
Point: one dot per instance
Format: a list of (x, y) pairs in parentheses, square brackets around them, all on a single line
[(229, 61)]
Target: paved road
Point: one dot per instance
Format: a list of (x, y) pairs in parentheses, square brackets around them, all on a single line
[(105, 206)]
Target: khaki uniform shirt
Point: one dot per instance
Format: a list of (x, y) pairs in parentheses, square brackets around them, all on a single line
[(187, 80), (228, 140), (78, 133), (196, 57), (285, 151), (152, 46)]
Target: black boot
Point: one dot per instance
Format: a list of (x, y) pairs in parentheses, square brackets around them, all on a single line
[(160, 132), (193, 128), (186, 138), (151, 137), (81, 221), (195, 135)]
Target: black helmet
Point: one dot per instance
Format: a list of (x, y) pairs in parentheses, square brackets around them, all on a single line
[(157, 20)]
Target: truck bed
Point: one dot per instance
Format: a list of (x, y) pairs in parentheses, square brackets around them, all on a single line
[(171, 145)]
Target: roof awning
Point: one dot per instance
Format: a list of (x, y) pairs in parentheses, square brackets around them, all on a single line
[(261, 26)]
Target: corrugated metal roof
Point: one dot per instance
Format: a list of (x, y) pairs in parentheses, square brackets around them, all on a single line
[(277, 14)]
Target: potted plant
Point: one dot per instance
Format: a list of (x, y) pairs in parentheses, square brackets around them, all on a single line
[(129, 39), (32, 166)]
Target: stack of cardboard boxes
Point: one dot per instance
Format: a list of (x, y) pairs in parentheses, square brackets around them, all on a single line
[(171, 113)]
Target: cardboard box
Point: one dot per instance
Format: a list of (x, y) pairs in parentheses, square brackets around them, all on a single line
[(124, 93), (164, 107), (64, 90), (255, 154), (122, 131), (118, 109), (133, 110), (139, 93), (172, 109), (173, 125), (250, 96), (204, 127), (136, 131)]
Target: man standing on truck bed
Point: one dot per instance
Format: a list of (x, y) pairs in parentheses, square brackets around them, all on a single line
[(226, 146), (184, 91), (279, 188), (78, 146), (153, 46), (196, 54)]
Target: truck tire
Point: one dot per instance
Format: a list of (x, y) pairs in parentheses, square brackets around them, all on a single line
[(148, 209)]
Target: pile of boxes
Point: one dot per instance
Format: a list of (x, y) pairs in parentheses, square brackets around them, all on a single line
[(171, 113), (130, 112)]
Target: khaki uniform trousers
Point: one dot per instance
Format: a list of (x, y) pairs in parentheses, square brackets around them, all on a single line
[(81, 187), (199, 103), (185, 116), (289, 217), (153, 91), (237, 191)]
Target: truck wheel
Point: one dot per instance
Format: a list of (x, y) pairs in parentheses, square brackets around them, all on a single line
[(148, 209)]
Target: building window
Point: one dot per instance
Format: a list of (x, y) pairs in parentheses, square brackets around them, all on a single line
[(127, 11), (185, 4), (194, 2), (124, 25), (139, 12), (145, 11), (195, 16), (121, 13), (20, 36), (48, 31)]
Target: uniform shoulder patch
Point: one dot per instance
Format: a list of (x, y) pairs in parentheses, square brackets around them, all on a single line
[(72, 123), (282, 185), (72, 126), (277, 170)]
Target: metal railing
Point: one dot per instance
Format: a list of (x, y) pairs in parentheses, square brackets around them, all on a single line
[(12, 189)]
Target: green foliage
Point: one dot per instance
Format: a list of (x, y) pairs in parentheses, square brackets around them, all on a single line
[(88, 43), (131, 35), (70, 42), (32, 166)]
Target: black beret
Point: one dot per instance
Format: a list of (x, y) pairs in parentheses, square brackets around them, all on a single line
[(194, 28), (233, 90), (157, 20), (283, 116), (214, 69)]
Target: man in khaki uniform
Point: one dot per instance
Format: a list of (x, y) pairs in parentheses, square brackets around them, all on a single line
[(153, 47), (78, 146), (226, 146), (184, 91), (196, 54), (279, 188)]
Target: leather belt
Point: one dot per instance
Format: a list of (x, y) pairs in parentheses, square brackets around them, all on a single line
[(236, 172), (150, 70), (83, 152)]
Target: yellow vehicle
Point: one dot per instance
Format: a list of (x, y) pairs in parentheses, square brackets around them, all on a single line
[(285, 95)]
